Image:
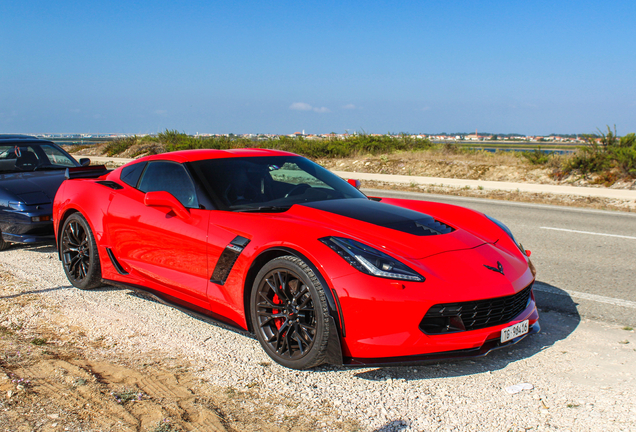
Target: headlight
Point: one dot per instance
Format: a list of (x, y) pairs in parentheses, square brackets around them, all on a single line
[(371, 261), (507, 230)]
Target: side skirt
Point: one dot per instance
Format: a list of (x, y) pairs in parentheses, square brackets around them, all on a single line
[(187, 308)]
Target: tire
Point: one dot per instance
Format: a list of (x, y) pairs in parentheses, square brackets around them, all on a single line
[(295, 334), (4, 245), (79, 253)]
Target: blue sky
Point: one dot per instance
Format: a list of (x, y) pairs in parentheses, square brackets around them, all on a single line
[(535, 67)]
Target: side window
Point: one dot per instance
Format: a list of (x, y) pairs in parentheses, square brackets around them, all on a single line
[(27, 158), (130, 174), (56, 157), (7, 152), (170, 177)]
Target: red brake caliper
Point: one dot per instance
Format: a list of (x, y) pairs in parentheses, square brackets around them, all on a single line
[(277, 321)]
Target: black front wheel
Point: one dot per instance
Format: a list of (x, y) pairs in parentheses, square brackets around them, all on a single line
[(289, 313), (3, 244), (79, 253)]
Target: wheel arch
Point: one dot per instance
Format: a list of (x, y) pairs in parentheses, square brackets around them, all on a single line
[(85, 273), (335, 312), (58, 235)]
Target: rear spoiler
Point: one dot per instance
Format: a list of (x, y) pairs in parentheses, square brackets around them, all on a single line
[(92, 171)]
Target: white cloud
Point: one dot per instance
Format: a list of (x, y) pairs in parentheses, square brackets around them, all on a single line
[(300, 106), (349, 106)]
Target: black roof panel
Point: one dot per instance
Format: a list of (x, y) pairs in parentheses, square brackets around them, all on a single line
[(14, 138)]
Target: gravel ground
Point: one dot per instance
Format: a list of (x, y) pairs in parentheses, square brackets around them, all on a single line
[(582, 372)]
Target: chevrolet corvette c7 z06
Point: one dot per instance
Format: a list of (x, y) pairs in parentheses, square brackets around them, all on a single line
[(271, 242)]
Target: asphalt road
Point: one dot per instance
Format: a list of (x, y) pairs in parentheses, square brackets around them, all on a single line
[(586, 259)]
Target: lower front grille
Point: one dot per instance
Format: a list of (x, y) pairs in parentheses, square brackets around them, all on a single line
[(474, 315)]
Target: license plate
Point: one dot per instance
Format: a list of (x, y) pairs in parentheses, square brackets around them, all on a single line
[(514, 331)]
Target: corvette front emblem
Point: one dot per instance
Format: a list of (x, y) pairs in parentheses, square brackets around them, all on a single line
[(498, 269)]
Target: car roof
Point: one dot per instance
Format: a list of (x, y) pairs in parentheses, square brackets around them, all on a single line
[(196, 155), (20, 139)]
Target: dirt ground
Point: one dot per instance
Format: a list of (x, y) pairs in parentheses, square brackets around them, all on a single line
[(53, 378)]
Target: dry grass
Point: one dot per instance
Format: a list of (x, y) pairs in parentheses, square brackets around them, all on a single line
[(500, 166)]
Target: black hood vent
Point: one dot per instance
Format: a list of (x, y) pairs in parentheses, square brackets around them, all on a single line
[(384, 215)]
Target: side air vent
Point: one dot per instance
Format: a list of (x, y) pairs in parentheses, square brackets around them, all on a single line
[(110, 184), (115, 263), (227, 259)]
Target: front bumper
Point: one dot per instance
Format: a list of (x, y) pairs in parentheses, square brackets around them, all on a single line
[(17, 226), (26, 238), (382, 319), (462, 354)]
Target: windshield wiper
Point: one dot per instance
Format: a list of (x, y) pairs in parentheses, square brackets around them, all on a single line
[(264, 209)]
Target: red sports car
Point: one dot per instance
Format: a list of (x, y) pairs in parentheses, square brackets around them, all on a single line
[(271, 242)]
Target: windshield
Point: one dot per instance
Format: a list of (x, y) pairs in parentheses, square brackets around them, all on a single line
[(31, 157), (272, 183)]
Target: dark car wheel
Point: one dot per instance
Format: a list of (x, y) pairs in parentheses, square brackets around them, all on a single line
[(3, 244), (289, 313), (79, 253)]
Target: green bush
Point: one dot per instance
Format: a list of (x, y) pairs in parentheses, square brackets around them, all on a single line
[(537, 157), (625, 158), (119, 146), (588, 160), (323, 148), (628, 140), (608, 155)]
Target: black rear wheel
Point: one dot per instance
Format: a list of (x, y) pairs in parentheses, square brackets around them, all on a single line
[(289, 313), (79, 253)]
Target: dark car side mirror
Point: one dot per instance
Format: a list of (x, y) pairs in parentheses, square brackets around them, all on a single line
[(166, 199), (85, 161)]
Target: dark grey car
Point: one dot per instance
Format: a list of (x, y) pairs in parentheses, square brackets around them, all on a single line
[(31, 171)]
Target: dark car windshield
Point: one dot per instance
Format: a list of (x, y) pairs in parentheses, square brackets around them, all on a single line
[(271, 183), (31, 157)]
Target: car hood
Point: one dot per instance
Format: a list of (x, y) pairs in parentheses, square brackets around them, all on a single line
[(487, 270), (401, 231), (31, 187)]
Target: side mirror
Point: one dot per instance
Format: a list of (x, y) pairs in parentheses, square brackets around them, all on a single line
[(85, 161), (166, 199), (355, 183)]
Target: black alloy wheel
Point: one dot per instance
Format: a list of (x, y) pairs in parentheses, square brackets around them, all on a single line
[(289, 313), (79, 253)]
